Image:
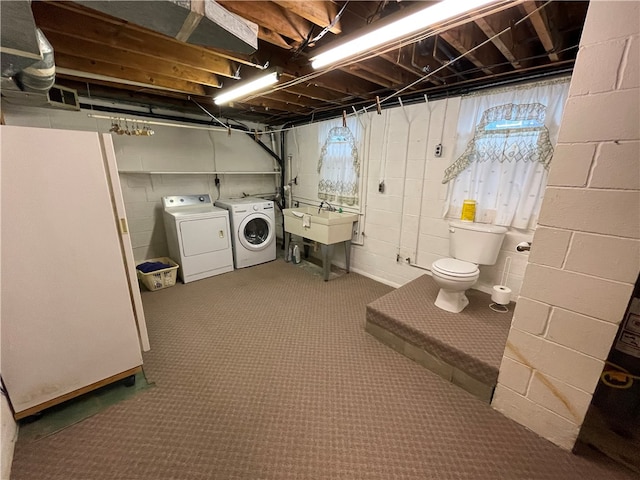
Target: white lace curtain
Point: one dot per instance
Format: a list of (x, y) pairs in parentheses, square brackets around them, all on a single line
[(503, 151), (339, 163)]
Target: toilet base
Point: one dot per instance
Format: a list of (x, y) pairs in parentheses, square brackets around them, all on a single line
[(453, 302)]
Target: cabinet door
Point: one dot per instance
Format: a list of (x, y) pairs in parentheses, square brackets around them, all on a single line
[(67, 316)]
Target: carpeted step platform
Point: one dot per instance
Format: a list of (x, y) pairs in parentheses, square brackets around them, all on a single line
[(465, 348)]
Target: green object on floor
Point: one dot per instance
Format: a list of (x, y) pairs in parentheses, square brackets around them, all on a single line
[(59, 417)]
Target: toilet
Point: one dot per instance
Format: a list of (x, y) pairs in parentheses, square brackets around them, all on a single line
[(471, 244)]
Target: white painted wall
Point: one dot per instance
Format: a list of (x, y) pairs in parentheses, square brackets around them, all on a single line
[(586, 252), (405, 221), (170, 149), (8, 426)]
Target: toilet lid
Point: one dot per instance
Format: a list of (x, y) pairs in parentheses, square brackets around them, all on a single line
[(454, 267)]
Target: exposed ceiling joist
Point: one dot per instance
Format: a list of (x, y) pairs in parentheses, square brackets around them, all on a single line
[(272, 17), (59, 17), (119, 60), (317, 12), (468, 36), (87, 68), (492, 28), (538, 18), (118, 56)]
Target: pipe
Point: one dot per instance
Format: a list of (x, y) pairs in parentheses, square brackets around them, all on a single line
[(404, 179), (289, 157), (449, 63), (285, 172), (266, 149), (424, 177), (246, 130), (41, 75)]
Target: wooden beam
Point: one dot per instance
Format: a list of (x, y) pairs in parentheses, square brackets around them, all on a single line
[(86, 68), (356, 70), (426, 60), (293, 99), (491, 26), (269, 105), (61, 18), (333, 80), (539, 21), (76, 393), (346, 83), (402, 58), (270, 16), (128, 93), (466, 37), (131, 94), (309, 90), (273, 38), (105, 53), (318, 12), (383, 69)]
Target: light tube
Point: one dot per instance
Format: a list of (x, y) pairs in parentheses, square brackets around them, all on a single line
[(247, 88), (439, 12)]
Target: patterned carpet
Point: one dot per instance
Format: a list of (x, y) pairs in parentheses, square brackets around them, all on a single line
[(267, 373)]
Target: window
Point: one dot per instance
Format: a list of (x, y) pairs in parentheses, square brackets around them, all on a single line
[(339, 167), (504, 162)]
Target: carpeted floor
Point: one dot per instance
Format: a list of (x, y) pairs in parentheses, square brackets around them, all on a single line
[(267, 373)]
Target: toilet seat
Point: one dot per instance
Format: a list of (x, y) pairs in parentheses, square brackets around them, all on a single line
[(453, 267)]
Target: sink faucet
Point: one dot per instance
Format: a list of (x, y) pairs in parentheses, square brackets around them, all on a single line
[(329, 207)]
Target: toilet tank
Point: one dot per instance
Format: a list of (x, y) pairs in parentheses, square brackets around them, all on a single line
[(477, 243)]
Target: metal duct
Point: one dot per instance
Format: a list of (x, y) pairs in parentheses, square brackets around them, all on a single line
[(199, 22), (18, 41), (41, 75)]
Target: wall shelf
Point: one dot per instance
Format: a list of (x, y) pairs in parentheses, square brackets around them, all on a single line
[(200, 173)]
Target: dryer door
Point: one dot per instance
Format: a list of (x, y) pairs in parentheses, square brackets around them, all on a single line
[(204, 235), (256, 232)]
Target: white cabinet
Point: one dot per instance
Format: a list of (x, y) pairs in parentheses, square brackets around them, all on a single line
[(72, 316)]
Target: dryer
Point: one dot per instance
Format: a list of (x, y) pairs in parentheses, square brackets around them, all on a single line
[(198, 235), (253, 225)]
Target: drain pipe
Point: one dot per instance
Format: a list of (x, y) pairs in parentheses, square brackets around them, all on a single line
[(404, 183), (424, 177), (247, 131), (288, 186), (285, 172)]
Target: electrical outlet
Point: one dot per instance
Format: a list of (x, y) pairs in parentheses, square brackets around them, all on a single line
[(438, 152), (296, 204), (381, 187)]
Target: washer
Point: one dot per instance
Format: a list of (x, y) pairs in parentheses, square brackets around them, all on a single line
[(253, 224), (199, 236)]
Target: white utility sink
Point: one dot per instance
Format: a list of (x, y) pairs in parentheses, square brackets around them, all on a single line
[(323, 227)]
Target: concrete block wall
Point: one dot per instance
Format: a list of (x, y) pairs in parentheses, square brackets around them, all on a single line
[(585, 256), (143, 202), (170, 149), (404, 232)]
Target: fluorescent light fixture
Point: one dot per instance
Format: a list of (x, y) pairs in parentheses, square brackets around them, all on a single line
[(444, 10), (247, 88)]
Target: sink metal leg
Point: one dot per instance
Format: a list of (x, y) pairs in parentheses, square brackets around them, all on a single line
[(287, 241), (327, 253), (347, 254)]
